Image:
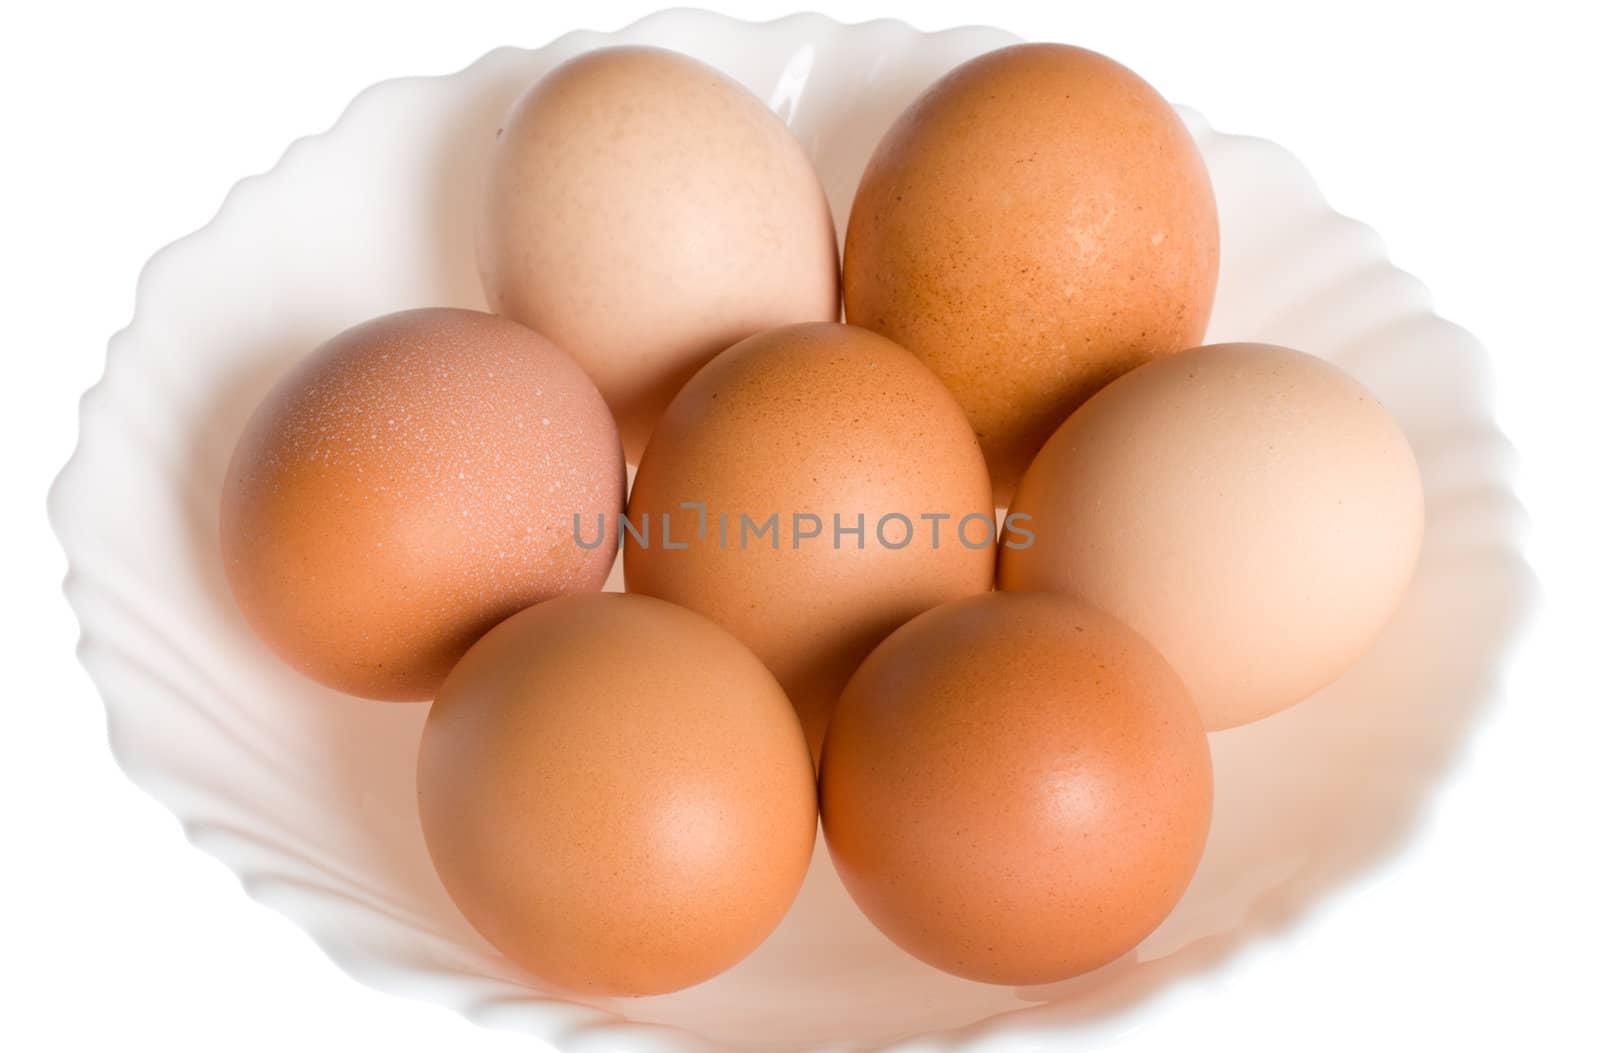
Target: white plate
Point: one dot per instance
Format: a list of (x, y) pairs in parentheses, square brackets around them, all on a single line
[(309, 795)]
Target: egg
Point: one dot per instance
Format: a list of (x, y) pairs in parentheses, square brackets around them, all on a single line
[(646, 212), (1038, 222), (810, 489), (616, 794), (1253, 511), (1016, 788), (409, 484)]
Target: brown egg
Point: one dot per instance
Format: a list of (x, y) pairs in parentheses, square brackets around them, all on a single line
[(812, 431), (645, 212), (407, 486), (1250, 510), (1037, 223), (616, 794), (1016, 788)]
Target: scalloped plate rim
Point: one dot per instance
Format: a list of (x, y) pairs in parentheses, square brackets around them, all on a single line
[(991, 1034)]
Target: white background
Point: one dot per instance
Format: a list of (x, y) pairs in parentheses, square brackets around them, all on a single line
[(1467, 137)]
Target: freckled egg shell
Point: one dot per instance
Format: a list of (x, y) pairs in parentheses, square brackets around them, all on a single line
[(1251, 510), (1016, 788), (817, 419), (617, 794), (1038, 222), (646, 212), (408, 485)]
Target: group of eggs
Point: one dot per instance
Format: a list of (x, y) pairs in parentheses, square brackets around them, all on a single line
[(621, 790)]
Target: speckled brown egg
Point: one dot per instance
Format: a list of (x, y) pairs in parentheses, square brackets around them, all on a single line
[(408, 485), (1252, 511), (617, 794), (811, 489), (1037, 223), (1016, 788), (646, 212)]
